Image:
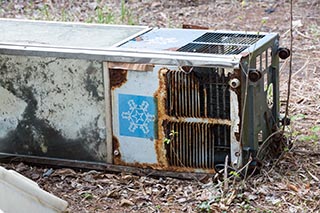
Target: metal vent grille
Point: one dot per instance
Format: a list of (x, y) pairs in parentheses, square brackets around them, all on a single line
[(212, 48), (204, 92), (221, 43), (229, 38), (196, 144)]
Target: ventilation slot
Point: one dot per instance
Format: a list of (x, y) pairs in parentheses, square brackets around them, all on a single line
[(204, 92), (221, 43), (229, 38), (195, 144), (212, 48)]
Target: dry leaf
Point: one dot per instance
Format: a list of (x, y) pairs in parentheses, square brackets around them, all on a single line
[(125, 202), (307, 186), (293, 187)]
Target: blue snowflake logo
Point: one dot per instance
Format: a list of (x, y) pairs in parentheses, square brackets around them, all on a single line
[(136, 115)]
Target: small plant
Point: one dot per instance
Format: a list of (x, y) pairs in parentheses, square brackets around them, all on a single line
[(125, 14), (313, 135), (158, 208), (171, 136), (45, 11), (204, 207), (64, 15), (104, 16), (87, 196), (298, 117), (234, 173)]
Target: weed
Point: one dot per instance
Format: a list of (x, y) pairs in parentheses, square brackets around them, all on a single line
[(234, 173), (171, 136), (298, 117), (204, 207), (45, 12), (315, 30), (312, 136), (125, 14), (64, 15), (104, 16), (87, 196)]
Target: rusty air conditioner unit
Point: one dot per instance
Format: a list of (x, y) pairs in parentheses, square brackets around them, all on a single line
[(166, 99)]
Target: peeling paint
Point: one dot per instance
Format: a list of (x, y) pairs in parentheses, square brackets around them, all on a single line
[(59, 110), (236, 151), (117, 77), (11, 111)]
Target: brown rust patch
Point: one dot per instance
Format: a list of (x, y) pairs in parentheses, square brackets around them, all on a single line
[(161, 94), (192, 26), (118, 77), (116, 149)]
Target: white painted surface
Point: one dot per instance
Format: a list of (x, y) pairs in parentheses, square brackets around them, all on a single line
[(11, 112), (134, 149), (20, 194), (235, 122)]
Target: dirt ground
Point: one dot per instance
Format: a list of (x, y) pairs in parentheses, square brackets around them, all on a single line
[(290, 184)]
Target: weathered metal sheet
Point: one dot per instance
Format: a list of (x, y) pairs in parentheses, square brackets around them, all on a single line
[(66, 35), (163, 39), (134, 110), (52, 107)]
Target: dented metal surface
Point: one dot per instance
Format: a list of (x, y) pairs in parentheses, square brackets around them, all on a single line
[(52, 107)]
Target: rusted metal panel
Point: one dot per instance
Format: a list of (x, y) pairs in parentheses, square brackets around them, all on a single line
[(134, 110), (52, 107), (197, 107), (195, 104)]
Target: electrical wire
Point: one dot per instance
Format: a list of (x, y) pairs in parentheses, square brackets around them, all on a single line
[(290, 65)]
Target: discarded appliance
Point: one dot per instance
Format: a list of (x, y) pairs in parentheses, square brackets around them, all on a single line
[(20, 194), (175, 100)]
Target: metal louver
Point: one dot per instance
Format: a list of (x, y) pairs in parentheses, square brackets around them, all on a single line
[(221, 43), (199, 95)]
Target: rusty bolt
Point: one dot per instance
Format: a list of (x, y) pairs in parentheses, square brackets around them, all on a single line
[(254, 75), (283, 52), (234, 83), (116, 152)]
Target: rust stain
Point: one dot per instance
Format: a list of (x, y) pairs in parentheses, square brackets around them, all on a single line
[(118, 77), (161, 94), (116, 148), (191, 26), (139, 38), (197, 120)]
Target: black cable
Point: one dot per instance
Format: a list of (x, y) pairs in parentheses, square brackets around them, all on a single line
[(290, 64)]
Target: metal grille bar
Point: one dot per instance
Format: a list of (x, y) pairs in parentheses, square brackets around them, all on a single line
[(212, 48), (221, 43), (204, 92), (229, 38), (194, 145)]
